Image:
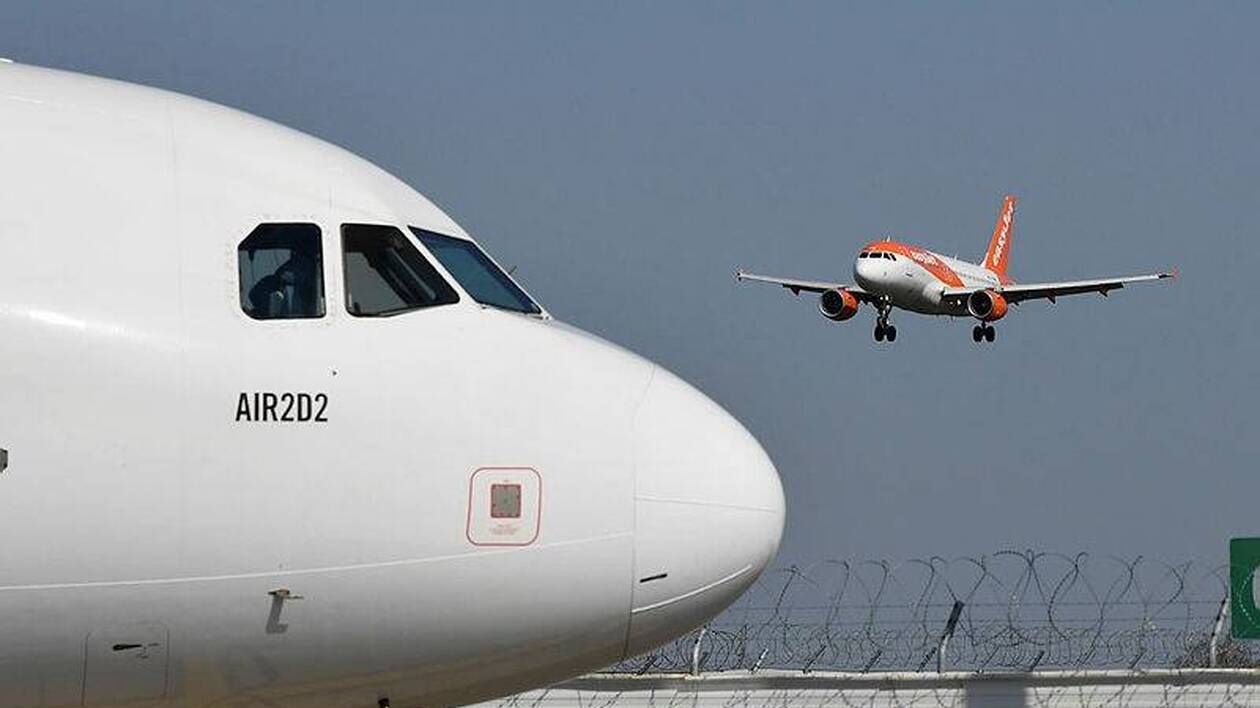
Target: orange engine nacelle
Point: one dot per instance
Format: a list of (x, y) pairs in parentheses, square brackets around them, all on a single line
[(837, 304), (986, 305)]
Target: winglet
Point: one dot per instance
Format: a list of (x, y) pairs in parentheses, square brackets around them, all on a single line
[(999, 251)]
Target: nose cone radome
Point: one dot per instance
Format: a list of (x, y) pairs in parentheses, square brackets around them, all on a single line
[(864, 272), (709, 512)]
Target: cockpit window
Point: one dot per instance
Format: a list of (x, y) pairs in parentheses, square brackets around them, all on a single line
[(386, 275), (484, 281), (863, 254), (281, 271)]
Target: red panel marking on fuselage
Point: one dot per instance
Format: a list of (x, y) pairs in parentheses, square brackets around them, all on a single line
[(924, 258)]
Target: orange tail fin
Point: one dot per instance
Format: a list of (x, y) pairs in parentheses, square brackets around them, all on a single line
[(999, 252)]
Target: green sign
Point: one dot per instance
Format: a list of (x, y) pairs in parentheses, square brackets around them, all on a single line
[(1244, 561)]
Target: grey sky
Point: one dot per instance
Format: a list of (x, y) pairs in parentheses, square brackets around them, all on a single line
[(627, 157)]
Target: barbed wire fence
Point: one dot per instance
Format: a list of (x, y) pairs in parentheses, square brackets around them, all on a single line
[(1007, 611)]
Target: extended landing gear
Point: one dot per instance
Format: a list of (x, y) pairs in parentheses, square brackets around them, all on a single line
[(983, 331), (883, 330)]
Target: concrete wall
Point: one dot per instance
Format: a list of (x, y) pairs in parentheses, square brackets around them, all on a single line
[(1115, 689)]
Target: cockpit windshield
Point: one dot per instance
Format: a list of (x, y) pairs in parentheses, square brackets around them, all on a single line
[(386, 275), (484, 281)]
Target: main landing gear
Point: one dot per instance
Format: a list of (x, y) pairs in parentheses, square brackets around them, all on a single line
[(883, 330), (983, 331)]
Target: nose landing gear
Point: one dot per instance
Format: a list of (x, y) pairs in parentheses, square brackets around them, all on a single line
[(883, 330), (983, 331)]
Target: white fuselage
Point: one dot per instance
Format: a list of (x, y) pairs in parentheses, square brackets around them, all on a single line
[(916, 279), (161, 550)]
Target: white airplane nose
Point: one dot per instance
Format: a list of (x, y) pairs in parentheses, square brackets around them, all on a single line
[(863, 272), (709, 512)]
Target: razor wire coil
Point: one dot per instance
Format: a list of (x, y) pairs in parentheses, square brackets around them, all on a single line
[(1021, 611)]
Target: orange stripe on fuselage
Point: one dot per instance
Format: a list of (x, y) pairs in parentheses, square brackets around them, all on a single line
[(930, 262)]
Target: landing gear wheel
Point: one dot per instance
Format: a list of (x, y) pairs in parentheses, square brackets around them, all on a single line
[(977, 333), (882, 328), (989, 333)]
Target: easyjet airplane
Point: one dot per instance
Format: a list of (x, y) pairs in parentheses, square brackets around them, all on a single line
[(275, 431), (892, 274)]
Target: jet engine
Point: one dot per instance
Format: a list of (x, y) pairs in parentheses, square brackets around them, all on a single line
[(986, 305), (837, 304)]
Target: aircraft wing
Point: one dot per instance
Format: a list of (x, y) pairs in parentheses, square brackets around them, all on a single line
[(1018, 292), (809, 286)]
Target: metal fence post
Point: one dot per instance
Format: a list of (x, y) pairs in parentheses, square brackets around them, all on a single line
[(1221, 614), (943, 644), (954, 614), (695, 651), (809, 665), (760, 658)]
